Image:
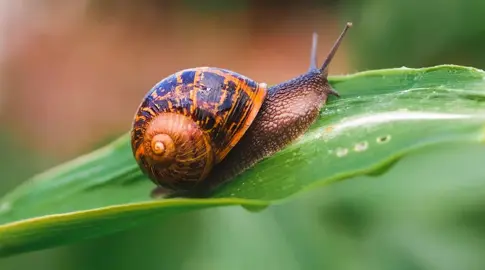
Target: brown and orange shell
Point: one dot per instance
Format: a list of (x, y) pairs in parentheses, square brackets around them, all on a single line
[(221, 103)]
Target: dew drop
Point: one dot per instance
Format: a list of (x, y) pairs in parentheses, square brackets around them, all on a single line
[(341, 152), (361, 146), (254, 208), (383, 139)]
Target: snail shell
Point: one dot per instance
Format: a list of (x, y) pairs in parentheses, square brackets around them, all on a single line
[(189, 121)]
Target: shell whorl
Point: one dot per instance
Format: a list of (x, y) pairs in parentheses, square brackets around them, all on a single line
[(176, 151), (189, 121)]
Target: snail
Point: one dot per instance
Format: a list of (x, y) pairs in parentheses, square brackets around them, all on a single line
[(200, 127)]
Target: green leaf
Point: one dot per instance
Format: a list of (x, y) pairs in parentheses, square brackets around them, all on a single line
[(382, 116)]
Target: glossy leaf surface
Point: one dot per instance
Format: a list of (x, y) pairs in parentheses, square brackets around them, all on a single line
[(382, 116)]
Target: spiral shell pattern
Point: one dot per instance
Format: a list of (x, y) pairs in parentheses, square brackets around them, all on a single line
[(189, 121)]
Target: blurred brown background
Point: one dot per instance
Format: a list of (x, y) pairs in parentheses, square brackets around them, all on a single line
[(75, 71)]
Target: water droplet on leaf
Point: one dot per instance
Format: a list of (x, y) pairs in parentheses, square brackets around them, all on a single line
[(341, 152), (383, 139), (362, 146)]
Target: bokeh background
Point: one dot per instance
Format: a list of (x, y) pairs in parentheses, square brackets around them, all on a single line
[(73, 72)]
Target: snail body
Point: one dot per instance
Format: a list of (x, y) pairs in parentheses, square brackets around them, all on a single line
[(200, 127)]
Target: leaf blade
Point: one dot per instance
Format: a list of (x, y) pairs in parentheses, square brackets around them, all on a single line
[(383, 116), (18, 236)]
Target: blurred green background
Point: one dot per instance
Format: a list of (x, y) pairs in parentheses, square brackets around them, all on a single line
[(73, 72)]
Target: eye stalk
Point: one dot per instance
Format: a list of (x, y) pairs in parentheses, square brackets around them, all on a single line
[(313, 58)]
